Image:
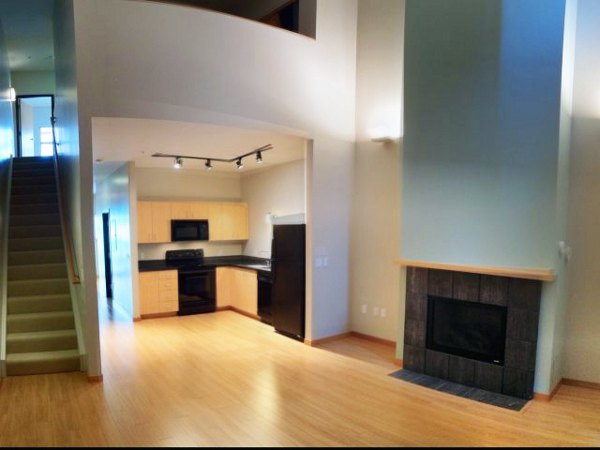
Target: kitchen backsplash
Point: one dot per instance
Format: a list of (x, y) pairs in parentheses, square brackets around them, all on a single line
[(157, 251)]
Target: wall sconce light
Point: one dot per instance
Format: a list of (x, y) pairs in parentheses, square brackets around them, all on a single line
[(178, 162), (12, 94)]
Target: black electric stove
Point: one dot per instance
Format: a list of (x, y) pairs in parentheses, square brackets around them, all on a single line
[(197, 284)]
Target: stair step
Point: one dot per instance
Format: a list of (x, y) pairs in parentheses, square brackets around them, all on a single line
[(38, 287), (35, 243), (30, 199), (22, 231), (36, 271), (33, 169), (42, 362), (42, 321), (33, 189), (38, 303), (25, 178), (23, 209), (34, 219), (41, 341), (35, 257)]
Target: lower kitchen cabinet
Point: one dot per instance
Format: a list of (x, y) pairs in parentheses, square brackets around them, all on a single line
[(237, 288), (158, 292)]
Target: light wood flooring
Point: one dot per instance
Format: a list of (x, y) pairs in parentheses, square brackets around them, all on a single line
[(223, 379)]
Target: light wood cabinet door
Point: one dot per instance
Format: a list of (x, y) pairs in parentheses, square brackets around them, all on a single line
[(148, 289), (244, 295), (161, 221), (224, 277), (181, 210), (144, 222), (158, 292), (199, 210), (228, 221)]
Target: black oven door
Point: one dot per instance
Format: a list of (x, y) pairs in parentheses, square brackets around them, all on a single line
[(197, 291)]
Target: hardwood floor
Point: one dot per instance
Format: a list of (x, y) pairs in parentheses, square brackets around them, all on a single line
[(223, 379)]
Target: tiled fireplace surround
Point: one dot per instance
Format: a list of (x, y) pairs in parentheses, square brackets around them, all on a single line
[(521, 297)]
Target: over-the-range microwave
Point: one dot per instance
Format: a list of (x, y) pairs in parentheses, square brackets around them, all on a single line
[(189, 230)]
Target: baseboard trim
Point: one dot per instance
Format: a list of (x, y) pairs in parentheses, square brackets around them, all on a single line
[(583, 384), (244, 313), (158, 315), (95, 378), (542, 397), (335, 337), (373, 338), (137, 319), (398, 362)]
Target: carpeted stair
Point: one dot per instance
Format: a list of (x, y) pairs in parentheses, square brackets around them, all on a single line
[(41, 335)]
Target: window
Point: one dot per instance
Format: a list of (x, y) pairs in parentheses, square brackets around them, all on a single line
[(46, 141)]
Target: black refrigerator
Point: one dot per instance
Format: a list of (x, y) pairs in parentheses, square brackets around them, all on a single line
[(288, 268)]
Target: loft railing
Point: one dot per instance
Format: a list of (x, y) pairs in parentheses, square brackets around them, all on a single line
[(64, 218), (4, 296)]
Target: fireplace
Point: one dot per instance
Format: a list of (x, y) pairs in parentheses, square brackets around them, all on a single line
[(467, 329), (472, 329)]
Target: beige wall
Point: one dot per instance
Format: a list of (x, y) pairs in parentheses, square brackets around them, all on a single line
[(376, 295), (279, 190), (582, 348)]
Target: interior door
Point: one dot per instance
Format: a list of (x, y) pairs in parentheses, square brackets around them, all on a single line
[(34, 125)]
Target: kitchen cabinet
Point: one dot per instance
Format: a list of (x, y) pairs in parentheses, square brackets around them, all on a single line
[(154, 222), (238, 288), (158, 292), (189, 210), (228, 221)]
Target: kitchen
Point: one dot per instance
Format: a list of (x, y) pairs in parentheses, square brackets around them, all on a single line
[(232, 214)]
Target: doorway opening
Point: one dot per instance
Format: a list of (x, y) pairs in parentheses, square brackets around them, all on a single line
[(107, 257), (34, 125)]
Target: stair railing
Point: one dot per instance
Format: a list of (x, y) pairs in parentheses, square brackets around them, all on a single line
[(4, 294), (64, 220)]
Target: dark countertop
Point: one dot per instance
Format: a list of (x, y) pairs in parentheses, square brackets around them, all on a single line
[(244, 262)]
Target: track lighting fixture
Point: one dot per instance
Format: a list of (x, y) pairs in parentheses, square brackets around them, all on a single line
[(178, 162)]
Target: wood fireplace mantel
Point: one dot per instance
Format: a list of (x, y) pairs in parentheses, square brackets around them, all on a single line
[(539, 274)]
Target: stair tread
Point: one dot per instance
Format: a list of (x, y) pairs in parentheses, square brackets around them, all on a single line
[(40, 334), (39, 280), (42, 356), (49, 315), (36, 297)]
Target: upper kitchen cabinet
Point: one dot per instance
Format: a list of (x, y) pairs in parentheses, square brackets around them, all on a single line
[(228, 221), (154, 222), (189, 210)]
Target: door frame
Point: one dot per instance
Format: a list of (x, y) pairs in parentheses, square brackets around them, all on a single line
[(18, 114)]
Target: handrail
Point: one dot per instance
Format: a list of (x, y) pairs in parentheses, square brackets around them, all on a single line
[(4, 296), (64, 221)]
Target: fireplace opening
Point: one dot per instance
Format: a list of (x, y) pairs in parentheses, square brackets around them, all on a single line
[(468, 329)]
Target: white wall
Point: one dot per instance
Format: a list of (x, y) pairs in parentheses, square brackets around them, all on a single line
[(582, 352), (6, 107), (279, 190), (375, 281), (75, 167), (113, 196), (150, 60)]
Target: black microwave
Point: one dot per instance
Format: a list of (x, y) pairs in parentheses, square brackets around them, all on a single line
[(189, 230)]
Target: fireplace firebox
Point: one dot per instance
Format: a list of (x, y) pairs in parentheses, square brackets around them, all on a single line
[(471, 330)]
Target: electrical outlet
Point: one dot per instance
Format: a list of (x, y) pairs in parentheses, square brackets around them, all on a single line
[(382, 312), (363, 309), (375, 310)]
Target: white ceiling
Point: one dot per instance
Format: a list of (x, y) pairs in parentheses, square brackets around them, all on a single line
[(28, 33), (118, 140)]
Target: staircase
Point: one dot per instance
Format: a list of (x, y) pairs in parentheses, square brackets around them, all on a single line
[(41, 335)]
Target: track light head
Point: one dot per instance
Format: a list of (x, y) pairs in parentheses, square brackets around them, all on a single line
[(239, 164), (259, 158), (178, 163), (208, 165)]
